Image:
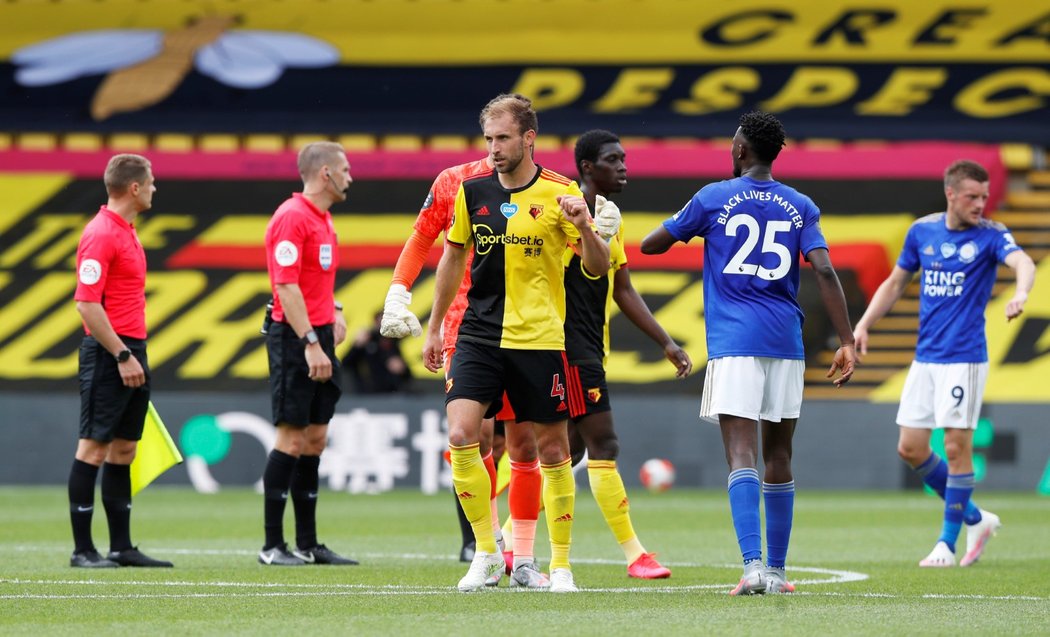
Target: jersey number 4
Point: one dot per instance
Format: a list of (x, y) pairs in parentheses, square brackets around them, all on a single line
[(557, 388), (737, 264)]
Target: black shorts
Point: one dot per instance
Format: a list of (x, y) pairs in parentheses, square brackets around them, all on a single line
[(534, 380), (296, 399), (588, 391), (108, 408)]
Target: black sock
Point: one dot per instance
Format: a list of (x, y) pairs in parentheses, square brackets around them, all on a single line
[(464, 523), (116, 498), (82, 478), (276, 478), (304, 500)]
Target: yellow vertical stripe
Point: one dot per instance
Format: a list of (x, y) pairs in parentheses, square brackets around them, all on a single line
[(24, 193)]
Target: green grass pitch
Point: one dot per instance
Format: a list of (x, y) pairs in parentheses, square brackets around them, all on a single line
[(853, 558)]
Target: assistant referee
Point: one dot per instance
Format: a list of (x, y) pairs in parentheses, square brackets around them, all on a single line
[(114, 372)]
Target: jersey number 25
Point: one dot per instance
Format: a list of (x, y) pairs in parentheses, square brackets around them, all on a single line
[(737, 264)]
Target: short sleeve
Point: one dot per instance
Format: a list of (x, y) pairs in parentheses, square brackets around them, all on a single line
[(94, 259), (438, 207), (909, 257), (571, 231), (812, 236), (288, 238), (692, 220), (459, 231), (617, 251), (1005, 244)]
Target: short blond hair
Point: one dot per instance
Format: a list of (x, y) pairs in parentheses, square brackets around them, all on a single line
[(124, 170), (517, 106), (317, 154)]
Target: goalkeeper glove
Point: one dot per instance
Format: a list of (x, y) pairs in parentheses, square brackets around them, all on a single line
[(398, 321), (606, 218)]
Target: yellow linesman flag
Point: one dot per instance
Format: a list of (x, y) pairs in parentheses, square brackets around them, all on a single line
[(156, 452)]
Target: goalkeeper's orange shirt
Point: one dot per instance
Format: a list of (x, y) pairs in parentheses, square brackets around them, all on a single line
[(517, 296), (434, 218)]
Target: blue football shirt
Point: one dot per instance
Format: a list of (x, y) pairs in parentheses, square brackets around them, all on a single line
[(754, 232), (958, 271)]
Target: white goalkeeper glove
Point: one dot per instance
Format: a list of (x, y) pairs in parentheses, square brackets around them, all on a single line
[(398, 321), (606, 218)]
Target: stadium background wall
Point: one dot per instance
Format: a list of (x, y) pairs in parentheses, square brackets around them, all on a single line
[(891, 69), (378, 443), (846, 78)]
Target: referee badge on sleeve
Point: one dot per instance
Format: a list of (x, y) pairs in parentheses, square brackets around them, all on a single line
[(286, 254), (90, 272)]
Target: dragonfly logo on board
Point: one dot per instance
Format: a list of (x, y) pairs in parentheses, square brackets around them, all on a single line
[(144, 66)]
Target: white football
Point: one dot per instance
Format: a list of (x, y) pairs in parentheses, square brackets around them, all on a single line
[(657, 474)]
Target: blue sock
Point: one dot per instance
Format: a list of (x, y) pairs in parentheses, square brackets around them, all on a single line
[(743, 503), (780, 507), (956, 494), (934, 472)]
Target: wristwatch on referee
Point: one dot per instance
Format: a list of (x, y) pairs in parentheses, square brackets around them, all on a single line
[(123, 355), (310, 338)]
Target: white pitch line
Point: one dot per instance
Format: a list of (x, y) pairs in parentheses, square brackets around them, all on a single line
[(708, 588), (342, 590), (837, 577), (312, 590), (226, 595)]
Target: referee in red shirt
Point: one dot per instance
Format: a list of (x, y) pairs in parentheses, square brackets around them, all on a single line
[(307, 324), (114, 373)]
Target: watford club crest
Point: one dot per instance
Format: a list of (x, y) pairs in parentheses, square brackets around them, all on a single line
[(448, 384), (594, 394), (535, 210)]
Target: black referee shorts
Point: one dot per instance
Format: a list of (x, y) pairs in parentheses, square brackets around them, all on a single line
[(109, 409), (296, 399), (534, 380), (588, 391)]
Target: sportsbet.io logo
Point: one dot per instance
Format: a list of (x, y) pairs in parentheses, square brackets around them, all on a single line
[(485, 238)]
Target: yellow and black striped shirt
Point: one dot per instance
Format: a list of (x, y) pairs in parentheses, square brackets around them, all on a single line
[(517, 293)]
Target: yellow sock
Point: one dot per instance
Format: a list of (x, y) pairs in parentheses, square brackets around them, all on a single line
[(607, 487), (508, 534), (559, 498), (472, 487)]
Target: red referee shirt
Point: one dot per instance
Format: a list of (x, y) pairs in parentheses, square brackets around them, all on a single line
[(111, 270), (301, 248)]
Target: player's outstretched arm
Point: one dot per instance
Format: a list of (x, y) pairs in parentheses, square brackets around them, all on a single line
[(398, 321), (1025, 269), (449, 275), (658, 241), (845, 360), (633, 306), (882, 302)]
